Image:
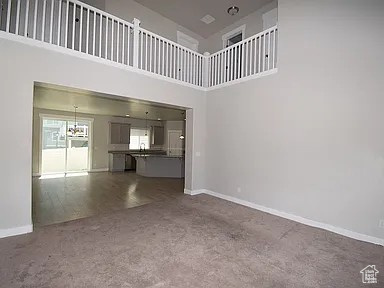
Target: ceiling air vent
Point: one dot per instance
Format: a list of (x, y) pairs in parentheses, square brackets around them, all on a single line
[(207, 19)]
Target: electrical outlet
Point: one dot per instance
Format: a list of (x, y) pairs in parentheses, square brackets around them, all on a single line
[(381, 223)]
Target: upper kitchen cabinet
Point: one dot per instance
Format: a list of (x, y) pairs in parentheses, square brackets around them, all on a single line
[(158, 135), (120, 133)]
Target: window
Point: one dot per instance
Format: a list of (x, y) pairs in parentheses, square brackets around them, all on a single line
[(139, 138)]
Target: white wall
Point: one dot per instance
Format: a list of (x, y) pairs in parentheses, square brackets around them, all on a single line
[(23, 64), (309, 140), (100, 137), (253, 22)]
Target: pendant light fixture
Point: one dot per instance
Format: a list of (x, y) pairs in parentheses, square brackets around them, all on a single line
[(182, 137), (146, 123), (73, 131)]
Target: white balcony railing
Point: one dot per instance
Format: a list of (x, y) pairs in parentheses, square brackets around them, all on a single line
[(74, 25), (251, 56)]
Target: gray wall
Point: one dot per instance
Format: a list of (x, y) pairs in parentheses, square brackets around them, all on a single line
[(309, 140), (24, 64)]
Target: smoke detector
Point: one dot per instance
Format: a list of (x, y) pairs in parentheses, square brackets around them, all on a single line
[(207, 19)]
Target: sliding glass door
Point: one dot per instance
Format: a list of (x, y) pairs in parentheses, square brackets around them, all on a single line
[(63, 151)]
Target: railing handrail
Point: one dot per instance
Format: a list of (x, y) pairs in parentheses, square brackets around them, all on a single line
[(170, 42), (266, 31)]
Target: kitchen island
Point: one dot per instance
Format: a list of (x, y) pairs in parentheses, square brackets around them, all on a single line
[(151, 165), (122, 160)]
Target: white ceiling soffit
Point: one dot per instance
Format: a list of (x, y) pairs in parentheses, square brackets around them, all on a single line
[(189, 13), (63, 99)]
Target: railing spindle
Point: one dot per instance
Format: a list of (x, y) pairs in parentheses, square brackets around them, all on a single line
[(166, 60), (73, 26), (118, 42), (123, 46), (159, 56), (8, 15), (87, 34), (254, 71), (66, 24), (150, 53), (141, 49), (59, 24), (112, 38), (34, 19), (100, 33), (269, 50), (94, 33), (274, 48), (162, 59), (51, 22), (180, 64), (43, 25), (17, 17), (264, 52), (259, 66), (188, 66), (106, 37), (26, 19)]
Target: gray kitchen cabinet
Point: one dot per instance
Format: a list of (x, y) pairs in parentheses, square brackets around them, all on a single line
[(158, 135), (120, 133), (125, 132), (116, 162)]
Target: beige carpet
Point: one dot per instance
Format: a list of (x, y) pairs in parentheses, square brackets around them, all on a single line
[(195, 241)]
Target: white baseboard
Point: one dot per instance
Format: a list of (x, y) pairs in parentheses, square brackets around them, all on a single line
[(16, 231), (99, 170), (194, 192), (328, 227)]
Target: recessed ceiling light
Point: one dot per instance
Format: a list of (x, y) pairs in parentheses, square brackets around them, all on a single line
[(159, 119), (207, 19), (233, 10), (127, 115)]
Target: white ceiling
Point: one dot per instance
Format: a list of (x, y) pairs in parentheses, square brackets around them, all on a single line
[(63, 99), (188, 13)]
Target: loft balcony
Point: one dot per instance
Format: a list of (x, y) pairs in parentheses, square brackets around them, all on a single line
[(70, 24)]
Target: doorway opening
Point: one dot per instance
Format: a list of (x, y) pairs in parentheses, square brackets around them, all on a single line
[(118, 149), (62, 149)]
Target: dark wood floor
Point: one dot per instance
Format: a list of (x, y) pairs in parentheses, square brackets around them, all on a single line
[(64, 199)]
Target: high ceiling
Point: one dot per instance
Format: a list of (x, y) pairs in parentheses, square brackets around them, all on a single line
[(63, 99), (188, 13)]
